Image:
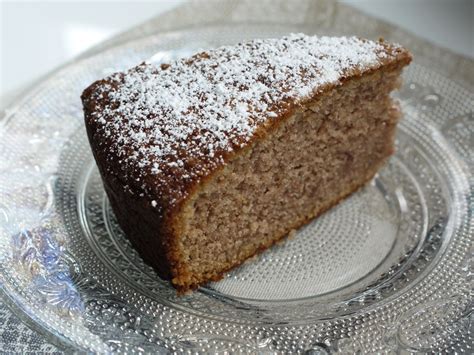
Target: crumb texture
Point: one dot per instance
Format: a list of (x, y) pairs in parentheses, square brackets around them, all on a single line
[(319, 155)]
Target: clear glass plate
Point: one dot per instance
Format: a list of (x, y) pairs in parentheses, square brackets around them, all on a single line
[(386, 270)]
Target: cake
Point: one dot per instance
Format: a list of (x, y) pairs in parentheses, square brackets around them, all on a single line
[(210, 160)]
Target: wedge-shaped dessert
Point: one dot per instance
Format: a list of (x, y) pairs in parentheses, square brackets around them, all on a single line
[(210, 160)]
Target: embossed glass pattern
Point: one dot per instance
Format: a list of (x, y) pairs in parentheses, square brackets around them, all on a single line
[(386, 270)]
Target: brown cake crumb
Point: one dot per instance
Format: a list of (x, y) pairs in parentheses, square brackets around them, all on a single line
[(211, 159)]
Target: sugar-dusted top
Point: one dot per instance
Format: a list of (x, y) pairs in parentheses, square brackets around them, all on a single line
[(178, 121)]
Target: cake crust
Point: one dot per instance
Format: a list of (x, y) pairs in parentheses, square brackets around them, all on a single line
[(158, 137)]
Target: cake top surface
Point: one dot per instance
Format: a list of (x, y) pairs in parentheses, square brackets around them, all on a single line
[(178, 121)]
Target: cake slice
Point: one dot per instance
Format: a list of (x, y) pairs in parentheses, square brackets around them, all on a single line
[(210, 160)]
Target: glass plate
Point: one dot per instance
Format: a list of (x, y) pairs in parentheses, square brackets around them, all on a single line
[(386, 270)]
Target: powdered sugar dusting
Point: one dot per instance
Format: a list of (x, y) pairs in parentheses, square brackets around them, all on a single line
[(177, 121)]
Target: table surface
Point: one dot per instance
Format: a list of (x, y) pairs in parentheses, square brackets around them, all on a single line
[(38, 36)]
